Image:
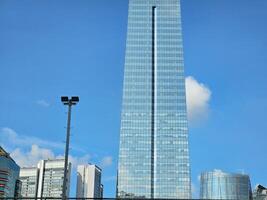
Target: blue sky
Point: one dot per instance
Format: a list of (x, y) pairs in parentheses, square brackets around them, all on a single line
[(76, 47)]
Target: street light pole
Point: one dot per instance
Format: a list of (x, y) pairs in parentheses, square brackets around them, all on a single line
[(69, 103)]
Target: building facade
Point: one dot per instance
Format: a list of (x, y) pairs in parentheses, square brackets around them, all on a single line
[(89, 182), (260, 193), (102, 190), (29, 179), (154, 153), (221, 185), (9, 176), (51, 175), (45, 180)]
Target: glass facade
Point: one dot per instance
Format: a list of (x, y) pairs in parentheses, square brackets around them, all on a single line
[(9, 175), (220, 185), (153, 155)]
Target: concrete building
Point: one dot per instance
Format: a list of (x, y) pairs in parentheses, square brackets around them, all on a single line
[(45, 180), (260, 193), (221, 185), (9, 176), (29, 178), (89, 182), (102, 190), (51, 175)]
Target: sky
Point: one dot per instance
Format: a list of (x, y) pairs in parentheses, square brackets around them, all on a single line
[(77, 47)]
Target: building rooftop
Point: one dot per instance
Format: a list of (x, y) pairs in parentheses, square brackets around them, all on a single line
[(219, 172), (260, 187), (3, 153)]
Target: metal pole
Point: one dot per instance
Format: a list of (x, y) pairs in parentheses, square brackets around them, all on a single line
[(67, 153)]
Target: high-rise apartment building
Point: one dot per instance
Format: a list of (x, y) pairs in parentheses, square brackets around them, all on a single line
[(9, 175), (45, 180), (89, 182), (221, 185), (29, 179), (153, 155), (51, 175)]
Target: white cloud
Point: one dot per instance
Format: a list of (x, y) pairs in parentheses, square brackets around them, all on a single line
[(28, 151), (36, 153), (198, 96), (106, 161), (32, 157), (10, 137), (43, 103)]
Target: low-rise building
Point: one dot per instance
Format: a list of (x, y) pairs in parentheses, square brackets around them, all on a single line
[(221, 185), (260, 193)]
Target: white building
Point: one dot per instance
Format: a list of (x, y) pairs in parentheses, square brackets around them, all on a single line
[(29, 179), (46, 180), (260, 193), (51, 178), (89, 182)]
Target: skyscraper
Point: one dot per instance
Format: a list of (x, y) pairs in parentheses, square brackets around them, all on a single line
[(89, 182), (153, 155), (221, 185)]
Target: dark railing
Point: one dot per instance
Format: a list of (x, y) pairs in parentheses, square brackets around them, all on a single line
[(74, 198)]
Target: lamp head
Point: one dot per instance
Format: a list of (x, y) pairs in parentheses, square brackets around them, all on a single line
[(64, 99), (75, 99), (72, 101)]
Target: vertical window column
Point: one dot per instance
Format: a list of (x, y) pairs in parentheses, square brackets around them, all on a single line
[(153, 97)]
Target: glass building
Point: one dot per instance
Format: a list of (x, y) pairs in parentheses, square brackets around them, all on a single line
[(220, 185), (9, 175), (153, 154)]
